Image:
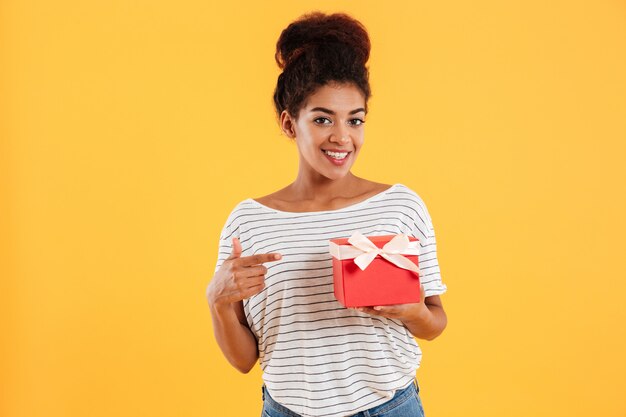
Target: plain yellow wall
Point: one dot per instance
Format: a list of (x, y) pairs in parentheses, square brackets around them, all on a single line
[(129, 131)]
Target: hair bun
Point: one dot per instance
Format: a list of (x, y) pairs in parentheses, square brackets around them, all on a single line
[(314, 31), (317, 49)]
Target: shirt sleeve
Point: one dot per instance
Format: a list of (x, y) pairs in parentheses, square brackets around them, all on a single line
[(225, 245), (430, 273)]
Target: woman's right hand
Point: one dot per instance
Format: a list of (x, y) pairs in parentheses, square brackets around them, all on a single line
[(238, 277)]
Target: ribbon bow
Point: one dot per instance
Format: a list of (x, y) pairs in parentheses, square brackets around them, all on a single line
[(364, 251)]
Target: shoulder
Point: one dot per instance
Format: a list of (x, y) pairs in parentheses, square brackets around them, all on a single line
[(414, 200), (233, 219), (410, 194)]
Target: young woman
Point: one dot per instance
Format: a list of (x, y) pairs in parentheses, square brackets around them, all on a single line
[(271, 297)]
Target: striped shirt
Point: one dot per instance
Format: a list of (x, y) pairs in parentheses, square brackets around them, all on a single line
[(320, 359)]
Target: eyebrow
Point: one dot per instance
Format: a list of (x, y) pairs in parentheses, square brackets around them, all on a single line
[(325, 110)]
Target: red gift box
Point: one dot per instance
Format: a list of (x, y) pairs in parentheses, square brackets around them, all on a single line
[(375, 270)]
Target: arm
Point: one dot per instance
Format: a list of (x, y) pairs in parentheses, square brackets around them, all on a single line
[(428, 319), (233, 335), (236, 279), (425, 320)]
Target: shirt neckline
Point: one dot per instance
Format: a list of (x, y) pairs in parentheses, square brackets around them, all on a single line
[(338, 210)]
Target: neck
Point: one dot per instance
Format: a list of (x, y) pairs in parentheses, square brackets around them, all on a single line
[(307, 187)]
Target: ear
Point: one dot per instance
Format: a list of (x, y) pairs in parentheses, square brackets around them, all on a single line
[(287, 124)]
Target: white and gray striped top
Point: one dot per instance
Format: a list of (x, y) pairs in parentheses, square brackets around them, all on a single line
[(319, 358)]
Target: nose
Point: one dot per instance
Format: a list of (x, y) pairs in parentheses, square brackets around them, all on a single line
[(341, 135), (342, 140)]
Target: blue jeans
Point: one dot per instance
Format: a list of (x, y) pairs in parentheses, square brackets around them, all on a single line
[(405, 403)]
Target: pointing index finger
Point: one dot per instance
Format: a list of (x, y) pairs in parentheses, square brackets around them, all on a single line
[(260, 258)]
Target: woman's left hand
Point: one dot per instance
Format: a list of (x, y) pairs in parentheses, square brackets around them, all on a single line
[(404, 312), (425, 320)]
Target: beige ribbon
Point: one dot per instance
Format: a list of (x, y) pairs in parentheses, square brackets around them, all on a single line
[(363, 251)]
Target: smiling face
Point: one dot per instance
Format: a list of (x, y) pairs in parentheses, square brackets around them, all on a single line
[(329, 131)]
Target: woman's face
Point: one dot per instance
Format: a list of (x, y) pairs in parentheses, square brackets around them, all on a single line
[(329, 131)]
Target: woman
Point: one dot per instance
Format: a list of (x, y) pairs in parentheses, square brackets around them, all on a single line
[(272, 299)]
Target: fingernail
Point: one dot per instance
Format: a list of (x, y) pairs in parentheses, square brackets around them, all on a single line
[(378, 308), (277, 256)]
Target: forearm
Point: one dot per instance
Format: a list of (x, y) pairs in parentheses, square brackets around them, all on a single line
[(235, 339), (428, 322)]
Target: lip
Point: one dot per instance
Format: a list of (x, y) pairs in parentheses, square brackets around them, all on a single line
[(336, 150), (337, 162)]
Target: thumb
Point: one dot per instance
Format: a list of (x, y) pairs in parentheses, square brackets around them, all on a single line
[(236, 252)]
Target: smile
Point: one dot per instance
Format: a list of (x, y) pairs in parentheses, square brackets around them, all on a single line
[(336, 155), (336, 158)]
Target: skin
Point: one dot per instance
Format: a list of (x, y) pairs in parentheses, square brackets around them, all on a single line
[(319, 185)]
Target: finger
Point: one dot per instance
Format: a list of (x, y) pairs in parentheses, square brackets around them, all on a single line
[(247, 276), (389, 310), (243, 281), (236, 252), (247, 272), (382, 311), (249, 292), (254, 281), (368, 310), (239, 272), (259, 259)]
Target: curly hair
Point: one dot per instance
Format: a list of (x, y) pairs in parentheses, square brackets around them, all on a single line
[(317, 49)]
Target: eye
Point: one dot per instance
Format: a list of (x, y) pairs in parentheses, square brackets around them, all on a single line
[(321, 118), (354, 122)]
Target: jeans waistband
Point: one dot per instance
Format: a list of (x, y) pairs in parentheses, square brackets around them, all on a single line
[(398, 396)]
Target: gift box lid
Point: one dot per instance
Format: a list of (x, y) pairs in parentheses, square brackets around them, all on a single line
[(377, 240), (335, 245)]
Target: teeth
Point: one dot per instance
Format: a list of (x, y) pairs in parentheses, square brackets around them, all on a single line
[(336, 155)]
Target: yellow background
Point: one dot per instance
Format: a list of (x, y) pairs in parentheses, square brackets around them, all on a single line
[(129, 131)]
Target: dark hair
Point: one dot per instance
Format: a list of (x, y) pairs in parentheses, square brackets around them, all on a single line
[(317, 49)]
